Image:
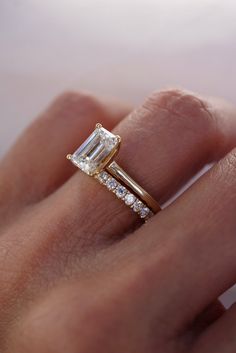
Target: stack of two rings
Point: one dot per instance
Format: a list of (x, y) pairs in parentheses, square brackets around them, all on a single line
[(95, 157)]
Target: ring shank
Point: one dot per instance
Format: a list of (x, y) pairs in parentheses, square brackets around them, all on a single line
[(114, 169)]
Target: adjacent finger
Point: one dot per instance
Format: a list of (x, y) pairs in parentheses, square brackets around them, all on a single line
[(197, 233)]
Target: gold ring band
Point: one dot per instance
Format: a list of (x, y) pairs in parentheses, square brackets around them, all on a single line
[(95, 157), (121, 175)]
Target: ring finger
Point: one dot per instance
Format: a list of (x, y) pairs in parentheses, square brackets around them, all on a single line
[(166, 141)]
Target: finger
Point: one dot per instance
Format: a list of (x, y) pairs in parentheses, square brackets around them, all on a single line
[(198, 230), (166, 141), (219, 337), (36, 164)]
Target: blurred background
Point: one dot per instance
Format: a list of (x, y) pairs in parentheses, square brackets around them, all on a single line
[(125, 48)]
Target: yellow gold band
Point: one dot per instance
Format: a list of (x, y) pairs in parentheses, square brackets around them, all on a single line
[(114, 169)]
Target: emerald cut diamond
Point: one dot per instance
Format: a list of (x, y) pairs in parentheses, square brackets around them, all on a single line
[(96, 151)]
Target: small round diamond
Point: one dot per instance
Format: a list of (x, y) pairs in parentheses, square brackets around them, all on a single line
[(103, 177), (129, 199), (137, 206), (120, 191), (144, 212), (111, 183)]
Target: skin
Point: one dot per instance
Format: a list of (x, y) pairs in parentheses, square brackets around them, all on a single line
[(79, 273)]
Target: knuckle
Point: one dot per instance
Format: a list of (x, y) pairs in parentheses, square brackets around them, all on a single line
[(74, 103), (72, 97), (162, 98), (182, 105)]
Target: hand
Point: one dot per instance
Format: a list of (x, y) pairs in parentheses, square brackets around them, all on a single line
[(79, 273)]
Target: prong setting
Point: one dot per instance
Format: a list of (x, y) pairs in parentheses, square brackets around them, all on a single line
[(118, 138), (96, 152)]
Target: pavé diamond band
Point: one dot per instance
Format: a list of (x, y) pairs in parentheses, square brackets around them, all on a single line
[(95, 158)]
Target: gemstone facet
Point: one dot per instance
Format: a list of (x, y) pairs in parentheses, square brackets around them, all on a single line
[(137, 206), (129, 199), (111, 183), (144, 212), (103, 176), (96, 151), (120, 191)]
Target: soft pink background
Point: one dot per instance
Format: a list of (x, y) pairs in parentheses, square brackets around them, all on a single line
[(125, 48)]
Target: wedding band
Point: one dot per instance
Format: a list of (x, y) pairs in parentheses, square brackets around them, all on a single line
[(95, 157)]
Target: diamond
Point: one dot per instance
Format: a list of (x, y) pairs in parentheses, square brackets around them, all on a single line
[(137, 206), (96, 151), (103, 177), (109, 142), (111, 183), (120, 191), (129, 199), (144, 212)]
